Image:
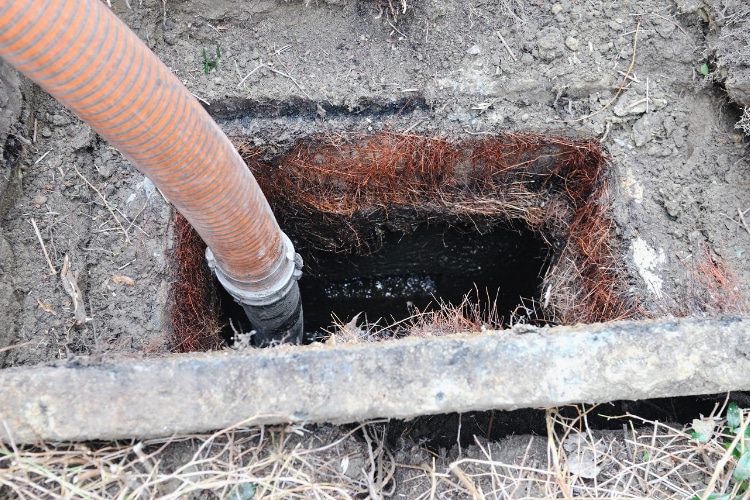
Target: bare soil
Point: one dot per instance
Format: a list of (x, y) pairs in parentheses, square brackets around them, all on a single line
[(628, 73), (679, 168)]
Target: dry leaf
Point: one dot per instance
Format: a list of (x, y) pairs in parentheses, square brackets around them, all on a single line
[(45, 306), (348, 333), (704, 429), (70, 284), (584, 455), (121, 279)]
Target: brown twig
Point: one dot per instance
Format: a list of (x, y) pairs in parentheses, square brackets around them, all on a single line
[(742, 220), (106, 203), (622, 85), (16, 346), (44, 248), (466, 481), (500, 36)]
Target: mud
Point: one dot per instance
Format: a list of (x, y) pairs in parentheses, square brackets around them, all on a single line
[(679, 167), (288, 70), (680, 173)]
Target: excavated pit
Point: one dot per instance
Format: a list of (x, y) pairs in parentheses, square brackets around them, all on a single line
[(437, 264), (460, 234), (492, 275)]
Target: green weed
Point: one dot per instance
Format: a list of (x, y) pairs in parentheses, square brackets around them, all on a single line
[(209, 64), (733, 436)]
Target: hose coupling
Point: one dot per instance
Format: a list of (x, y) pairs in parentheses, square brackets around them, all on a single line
[(274, 308)]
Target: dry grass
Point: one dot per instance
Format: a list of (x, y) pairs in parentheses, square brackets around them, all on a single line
[(651, 460), (473, 314), (744, 122), (239, 462), (648, 460), (657, 461)]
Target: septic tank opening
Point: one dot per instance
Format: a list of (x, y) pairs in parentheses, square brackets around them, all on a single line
[(388, 223), (438, 264)]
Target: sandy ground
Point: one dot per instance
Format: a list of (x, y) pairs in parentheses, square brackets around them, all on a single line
[(679, 171)]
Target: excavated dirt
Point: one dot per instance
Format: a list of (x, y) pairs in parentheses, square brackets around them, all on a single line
[(287, 71), (680, 173)]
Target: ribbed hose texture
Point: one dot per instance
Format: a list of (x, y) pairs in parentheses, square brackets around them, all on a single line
[(83, 55)]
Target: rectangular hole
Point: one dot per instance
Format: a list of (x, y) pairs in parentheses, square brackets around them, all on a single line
[(391, 224)]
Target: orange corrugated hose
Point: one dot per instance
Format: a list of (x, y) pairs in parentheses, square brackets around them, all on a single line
[(83, 55)]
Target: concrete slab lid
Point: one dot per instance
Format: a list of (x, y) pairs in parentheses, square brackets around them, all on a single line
[(521, 367)]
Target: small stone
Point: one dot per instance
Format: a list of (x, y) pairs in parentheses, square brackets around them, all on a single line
[(572, 43), (354, 467), (105, 169), (643, 130), (39, 199), (665, 29), (629, 103), (695, 236), (46, 132), (556, 9), (673, 208), (549, 43), (60, 120), (525, 117), (474, 50)]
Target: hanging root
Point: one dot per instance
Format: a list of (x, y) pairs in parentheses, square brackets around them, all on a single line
[(193, 300), (340, 194)]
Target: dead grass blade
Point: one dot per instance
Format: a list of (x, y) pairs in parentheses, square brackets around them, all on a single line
[(646, 459)]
